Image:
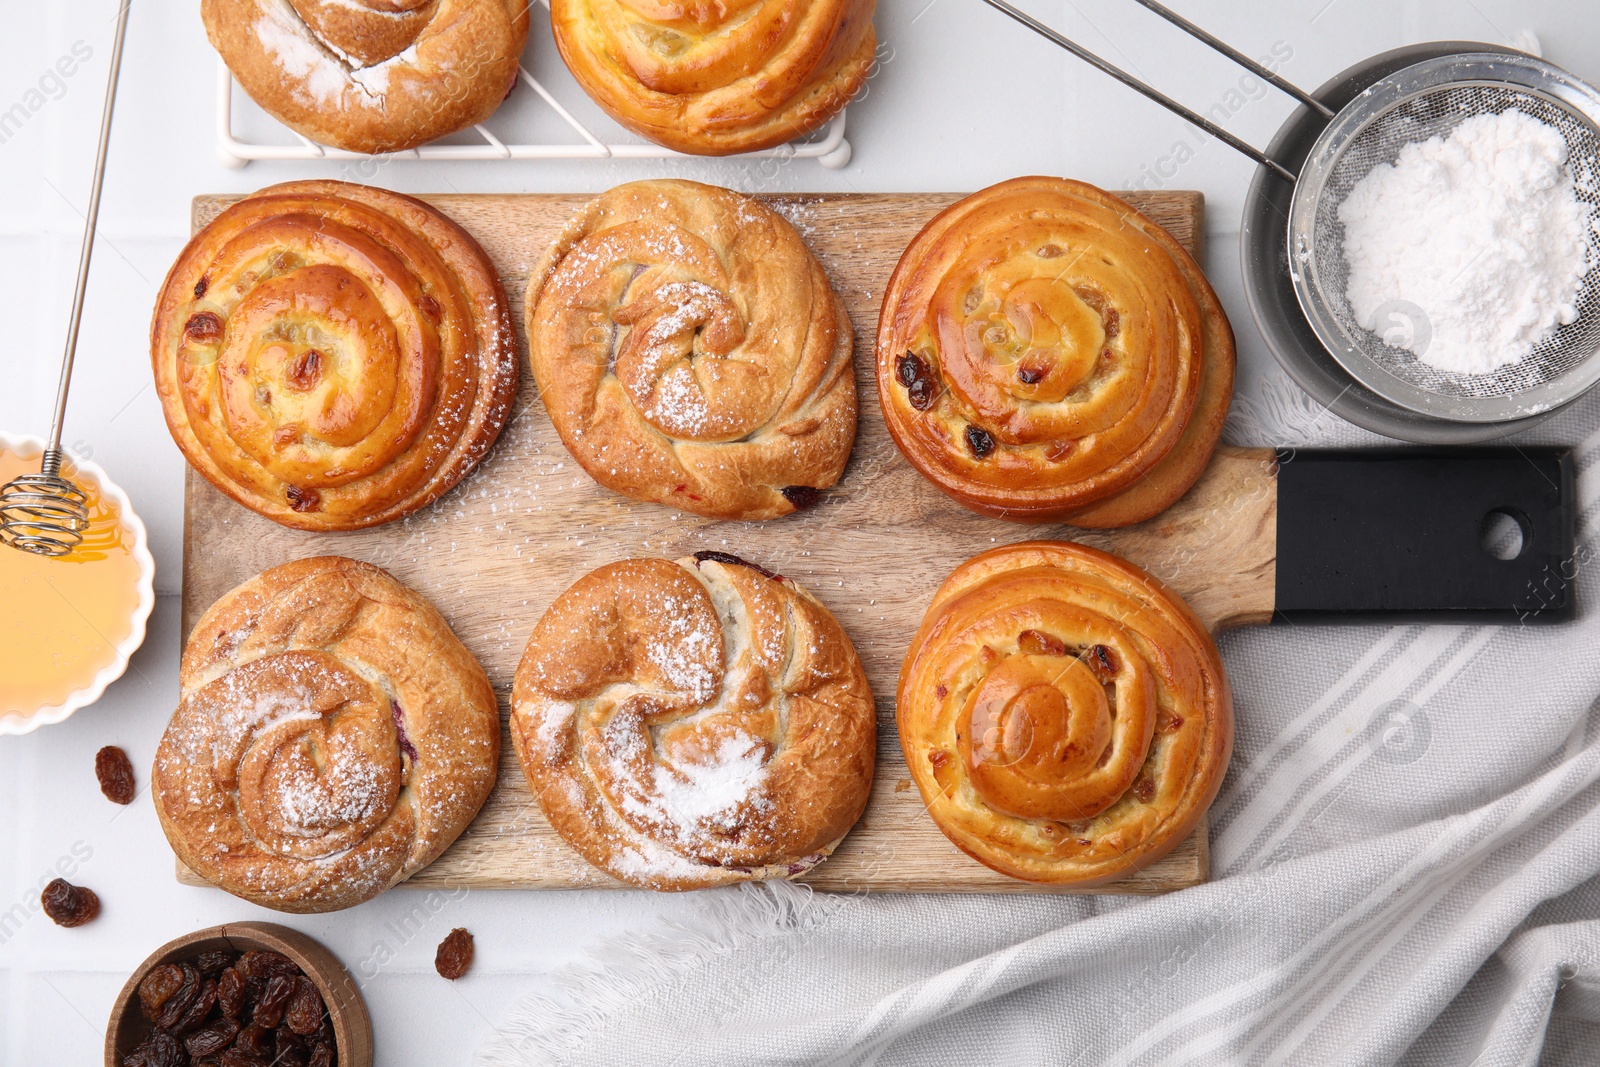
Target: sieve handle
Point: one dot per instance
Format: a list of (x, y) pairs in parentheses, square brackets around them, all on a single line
[(1185, 113), (1397, 535)]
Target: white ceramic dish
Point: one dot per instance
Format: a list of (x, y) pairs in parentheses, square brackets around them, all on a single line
[(92, 473)]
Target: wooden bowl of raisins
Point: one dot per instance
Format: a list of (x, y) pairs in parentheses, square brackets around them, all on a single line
[(247, 994)]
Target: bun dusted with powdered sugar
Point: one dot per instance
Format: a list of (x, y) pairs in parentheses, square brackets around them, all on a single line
[(332, 738), (693, 724)]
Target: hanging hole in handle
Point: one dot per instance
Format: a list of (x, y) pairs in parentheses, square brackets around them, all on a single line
[(1505, 533)]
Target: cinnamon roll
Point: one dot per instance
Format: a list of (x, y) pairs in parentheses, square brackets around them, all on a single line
[(691, 352), (696, 723), (1048, 354), (371, 75), (717, 78), (332, 738), (1066, 717), (333, 356)]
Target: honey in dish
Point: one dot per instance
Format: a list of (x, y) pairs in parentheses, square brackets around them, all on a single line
[(63, 617)]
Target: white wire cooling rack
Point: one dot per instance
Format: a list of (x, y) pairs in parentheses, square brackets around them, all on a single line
[(829, 147)]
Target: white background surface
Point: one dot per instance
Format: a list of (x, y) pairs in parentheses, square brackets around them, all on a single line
[(963, 98)]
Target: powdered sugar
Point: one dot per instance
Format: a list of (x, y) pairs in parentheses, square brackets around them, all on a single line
[(1482, 231), (313, 66)]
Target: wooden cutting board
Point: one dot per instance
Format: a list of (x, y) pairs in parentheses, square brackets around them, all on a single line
[(528, 522)]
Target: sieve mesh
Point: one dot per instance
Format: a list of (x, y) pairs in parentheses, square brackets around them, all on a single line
[(1560, 367)]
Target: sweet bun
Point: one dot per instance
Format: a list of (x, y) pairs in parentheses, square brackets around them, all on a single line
[(333, 356), (1047, 354), (1066, 717), (691, 352), (717, 78), (371, 75), (332, 738), (693, 724)]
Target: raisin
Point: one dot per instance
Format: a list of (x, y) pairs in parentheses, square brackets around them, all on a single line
[(203, 329), (157, 988), (158, 1050), (728, 559), (192, 1019), (305, 371), (917, 378), (304, 1016), (454, 955), (1029, 374), (255, 1040), (201, 286), (1103, 662), (429, 307), (235, 1057), (801, 496), (214, 962), (400, 731), (293, 1051), (303, 500), (1038, 643), (940, 692), (269, 1012), (938, 757), (980, 442), (179, 1002), (1113, 324), (112, 767), (1168, 723), (213, 1039), (1059, 450), (909, 367), (321, 1056), (68, 904), (1144, 789), (263, 964), (230, 993)]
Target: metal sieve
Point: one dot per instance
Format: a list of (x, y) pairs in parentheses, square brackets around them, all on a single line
[(1415, 103), (1430, 99)]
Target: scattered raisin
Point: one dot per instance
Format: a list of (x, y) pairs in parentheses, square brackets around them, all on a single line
[(213, 1039), (938, 757), (204, 328), (157, 988), (980, 441), (1029, 374), (115, 771), (1038, 643), (1168, 723), (728, 559), (303, 499), (909, 367), (1059, 450), (801, 496), (201, 286), (940, 692), (454, 955), (304, 1016), (429, 307), (1144, 789), (274, 999), (68, 904), (921, 394), (1113, 323)]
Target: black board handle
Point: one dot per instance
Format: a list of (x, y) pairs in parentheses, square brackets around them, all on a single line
[(1397, 535)]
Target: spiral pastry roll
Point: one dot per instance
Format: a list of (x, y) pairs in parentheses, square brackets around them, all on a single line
[(712, 78), (696, 723), (690, 351), (371, 75), (1066, 717), (1048, 354), (333, 356), (332, 738)]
